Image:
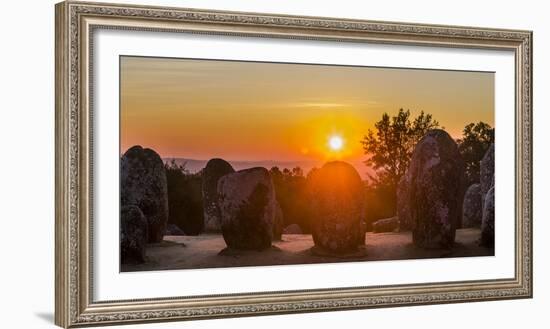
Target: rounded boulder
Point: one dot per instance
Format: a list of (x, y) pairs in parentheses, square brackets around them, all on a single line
[(133, 235), (247, 206), (278, 223), (292, 229), (143, 184), (338, 208), (386, 225), (402, 204)]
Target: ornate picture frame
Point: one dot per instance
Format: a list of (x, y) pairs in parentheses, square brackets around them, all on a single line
[(75, 24)]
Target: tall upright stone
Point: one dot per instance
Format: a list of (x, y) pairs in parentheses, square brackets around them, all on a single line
[(133, 235), (292, 229), (143, 184), (386, 225), (338, 208), (436, 172), (278, 223), (471, 208), (487, 172), (214, 170), (247, 206), (488, 221), (402, 204)]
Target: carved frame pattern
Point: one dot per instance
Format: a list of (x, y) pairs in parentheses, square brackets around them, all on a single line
[(76, 21)]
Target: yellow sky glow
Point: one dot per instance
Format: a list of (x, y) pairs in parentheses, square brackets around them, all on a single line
[(200, 109)]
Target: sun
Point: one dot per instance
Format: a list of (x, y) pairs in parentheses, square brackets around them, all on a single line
[(335, 143)]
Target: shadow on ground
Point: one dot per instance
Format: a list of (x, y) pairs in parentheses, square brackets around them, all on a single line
[(208, 251), (45, 316)]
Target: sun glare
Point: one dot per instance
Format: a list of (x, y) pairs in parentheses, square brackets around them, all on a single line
[(335, 143)]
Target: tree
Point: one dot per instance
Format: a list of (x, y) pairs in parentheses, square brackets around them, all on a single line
[(476, 140), (381, 203), (185, 207), (290, 189), (391, 145)]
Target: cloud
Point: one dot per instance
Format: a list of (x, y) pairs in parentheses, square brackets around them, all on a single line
[(331, 105)]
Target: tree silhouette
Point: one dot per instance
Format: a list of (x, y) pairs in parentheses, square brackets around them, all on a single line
[(185, 206), (475, 141), (290, 188), (391, 144)]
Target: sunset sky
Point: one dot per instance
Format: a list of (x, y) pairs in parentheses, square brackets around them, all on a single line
[(248, 111)]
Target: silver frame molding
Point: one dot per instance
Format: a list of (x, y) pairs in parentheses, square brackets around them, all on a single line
[(75, 24)]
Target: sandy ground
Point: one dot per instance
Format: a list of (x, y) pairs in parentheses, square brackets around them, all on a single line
[(203, 251)]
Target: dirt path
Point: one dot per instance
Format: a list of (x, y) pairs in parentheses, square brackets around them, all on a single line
[(184, 252)]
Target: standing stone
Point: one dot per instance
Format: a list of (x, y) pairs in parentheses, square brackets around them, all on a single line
[(362, 232), (471, 208), (143, 184), (278, 223), (403, 210), (292, 229), (173, 229), (487, 172), (338, 208), (214, 170), (488, 221), (248, 208), (436, 171), (386, 225), (133, 235)]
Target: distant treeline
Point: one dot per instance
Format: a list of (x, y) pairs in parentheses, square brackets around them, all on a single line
[(186, 204), (185, 207), (388, 147)]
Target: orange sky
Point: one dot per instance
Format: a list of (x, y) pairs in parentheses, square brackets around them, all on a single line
[(201, 109)]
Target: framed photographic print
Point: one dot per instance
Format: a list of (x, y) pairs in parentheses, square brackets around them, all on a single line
[(217, 164)]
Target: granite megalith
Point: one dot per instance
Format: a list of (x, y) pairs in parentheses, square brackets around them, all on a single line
[(386, 225), (338, 207), (133, 235), (403, 203), (487, 172), (436, 173), (212, 172), (143, 184), (247, 206), (471, 208), (488, 221), (278, 223), (292, 229)]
